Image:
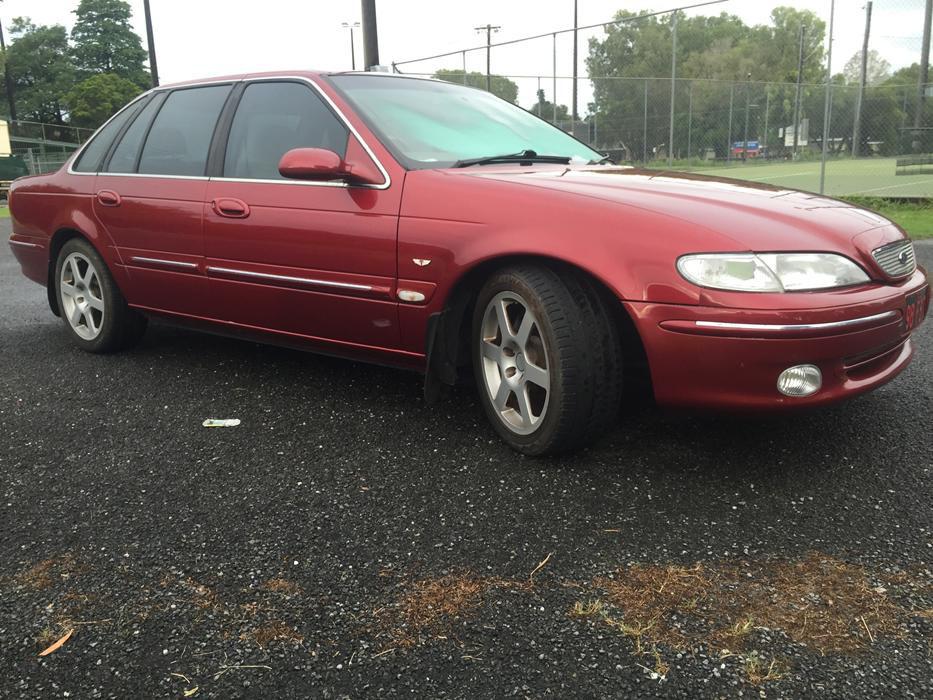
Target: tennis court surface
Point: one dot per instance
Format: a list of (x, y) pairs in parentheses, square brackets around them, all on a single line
[(869, 176)]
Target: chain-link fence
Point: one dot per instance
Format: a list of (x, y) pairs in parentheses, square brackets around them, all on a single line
[(867, 129)]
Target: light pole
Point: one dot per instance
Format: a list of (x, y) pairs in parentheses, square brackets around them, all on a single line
[(350, 26), (489, 29)]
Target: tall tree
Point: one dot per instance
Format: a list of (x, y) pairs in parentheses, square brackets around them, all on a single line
[(877, 68), (104, 41), (545, 109), (94, 100), (42, 72), (499, 86)]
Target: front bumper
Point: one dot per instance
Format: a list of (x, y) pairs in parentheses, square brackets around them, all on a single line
[(727, 358)]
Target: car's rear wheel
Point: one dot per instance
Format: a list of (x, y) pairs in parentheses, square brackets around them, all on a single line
[(93, 309), (547, 359)]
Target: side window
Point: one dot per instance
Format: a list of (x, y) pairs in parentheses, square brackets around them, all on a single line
[(123, 158), (89, 160), (181, 133), (273, 118)]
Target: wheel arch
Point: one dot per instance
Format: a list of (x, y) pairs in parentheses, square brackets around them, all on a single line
[(448, 337), (56, 243)]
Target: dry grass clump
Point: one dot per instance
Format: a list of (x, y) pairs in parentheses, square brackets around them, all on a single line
[(281, 586), (47, 572), (820, 602), (272, 631), (430, 607)]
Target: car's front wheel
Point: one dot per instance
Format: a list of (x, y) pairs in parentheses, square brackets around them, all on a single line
[(547, 358), (90, 303)]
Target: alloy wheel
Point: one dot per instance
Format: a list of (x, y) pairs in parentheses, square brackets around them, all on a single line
[(514, 362), (81, 295)]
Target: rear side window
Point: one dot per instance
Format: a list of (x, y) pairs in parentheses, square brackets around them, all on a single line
[(181, 133), (273, 118), (93, 153), (123, 158)]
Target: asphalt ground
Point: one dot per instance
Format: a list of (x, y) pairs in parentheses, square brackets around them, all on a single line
[(346, 540)]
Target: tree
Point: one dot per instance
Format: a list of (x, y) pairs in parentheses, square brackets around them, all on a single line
[(41, 70), (104, 42), (94, 100), (877, 70), (499, 86), (545, 109)]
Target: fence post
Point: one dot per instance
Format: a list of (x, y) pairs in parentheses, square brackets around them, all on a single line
[(828, 97), (764, 143), (670, 138), (463, 56), (645, 126), (689, 120), (729, 144), (554, 76)]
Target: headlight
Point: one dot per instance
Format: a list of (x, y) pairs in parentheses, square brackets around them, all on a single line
[(770, 272)]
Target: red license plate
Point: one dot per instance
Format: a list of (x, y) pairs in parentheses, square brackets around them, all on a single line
[(916, 309)]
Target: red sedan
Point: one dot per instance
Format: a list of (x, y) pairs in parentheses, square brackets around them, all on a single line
[(431, 226)]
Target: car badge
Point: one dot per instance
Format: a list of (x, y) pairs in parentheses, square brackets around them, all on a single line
[(421, 262), (904, 256)]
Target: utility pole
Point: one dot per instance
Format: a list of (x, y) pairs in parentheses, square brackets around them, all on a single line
[(350, 26), (573, 113), (748, 86), (924, 77), (803, 33), (7, 79), (150, 42), (827, 103), (857, 126), (489, 29), (370, 34)]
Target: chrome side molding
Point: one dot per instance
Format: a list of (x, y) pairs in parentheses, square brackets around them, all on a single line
[(249, 274)]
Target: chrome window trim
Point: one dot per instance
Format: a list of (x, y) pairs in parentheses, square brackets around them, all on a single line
[(170, 263), (286, 278), (25, 244), (795, 326), (264, 79)]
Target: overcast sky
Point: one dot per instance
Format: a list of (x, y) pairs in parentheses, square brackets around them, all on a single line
[(201, 38)]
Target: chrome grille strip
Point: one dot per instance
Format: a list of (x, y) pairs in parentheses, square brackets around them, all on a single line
[(889, 258), (286, 278), (796, 326)]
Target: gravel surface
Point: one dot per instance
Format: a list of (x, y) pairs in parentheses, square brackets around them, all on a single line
[(345, 540)]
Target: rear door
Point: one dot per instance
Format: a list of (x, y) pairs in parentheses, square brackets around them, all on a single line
[(149, 196), (311, 259)]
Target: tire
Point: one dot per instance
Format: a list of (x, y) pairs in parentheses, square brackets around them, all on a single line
[(550, 383), (91, 305)]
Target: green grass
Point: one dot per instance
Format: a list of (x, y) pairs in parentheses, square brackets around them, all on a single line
[(4, 212), (864, 176), (915, 217)]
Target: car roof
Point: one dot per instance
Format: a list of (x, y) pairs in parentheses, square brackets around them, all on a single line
[(283, 73)]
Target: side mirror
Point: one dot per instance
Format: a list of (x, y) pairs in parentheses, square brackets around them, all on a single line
[(313, 164)]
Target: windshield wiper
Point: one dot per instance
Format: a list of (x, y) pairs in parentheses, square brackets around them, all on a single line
[(604, 159), (526, 156)]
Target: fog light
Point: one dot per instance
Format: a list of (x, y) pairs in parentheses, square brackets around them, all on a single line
[(800, 380)]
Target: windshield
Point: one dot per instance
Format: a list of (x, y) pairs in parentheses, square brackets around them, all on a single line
[(433, 124)]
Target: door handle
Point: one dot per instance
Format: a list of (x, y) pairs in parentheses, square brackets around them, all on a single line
[(230, 207), (109, 198)]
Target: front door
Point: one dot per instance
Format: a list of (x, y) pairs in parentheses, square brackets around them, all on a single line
[(314, 260)]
